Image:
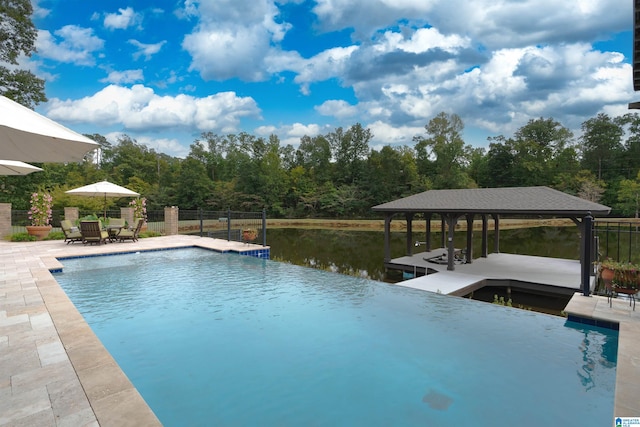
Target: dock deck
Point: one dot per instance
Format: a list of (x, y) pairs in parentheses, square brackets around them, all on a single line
[(560, 276)]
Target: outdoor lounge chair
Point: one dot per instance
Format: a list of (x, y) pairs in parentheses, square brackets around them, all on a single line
[(92, 232), (71, 233), (130, 233)]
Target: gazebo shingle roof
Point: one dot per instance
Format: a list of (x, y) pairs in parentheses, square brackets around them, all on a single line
[(511, 200)]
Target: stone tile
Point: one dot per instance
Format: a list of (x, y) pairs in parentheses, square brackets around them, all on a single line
[(19, 406), (69, 401), (82, 418), (124, 409), (41, 419), (103, 380), (43, 377), (51, 352), (6, 320), (18, 359), (41, 320)]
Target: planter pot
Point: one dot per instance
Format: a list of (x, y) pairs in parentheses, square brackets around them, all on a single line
[(607, 275), (249, 235), (40, 231)]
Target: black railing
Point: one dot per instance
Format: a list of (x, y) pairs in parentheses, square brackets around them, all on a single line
[(618, 240), (227, 225)]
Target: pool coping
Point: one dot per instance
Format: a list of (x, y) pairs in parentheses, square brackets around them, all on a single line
[(61, 374), (596, 310)]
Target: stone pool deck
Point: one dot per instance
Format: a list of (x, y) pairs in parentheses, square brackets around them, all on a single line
[(55, 372)]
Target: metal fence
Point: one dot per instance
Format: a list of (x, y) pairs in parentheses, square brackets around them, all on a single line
[(227, 225), (618, 240)]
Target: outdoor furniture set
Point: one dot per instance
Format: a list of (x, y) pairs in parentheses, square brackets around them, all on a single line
[(93, 232)]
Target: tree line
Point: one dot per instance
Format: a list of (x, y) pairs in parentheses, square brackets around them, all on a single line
[(340, 175)]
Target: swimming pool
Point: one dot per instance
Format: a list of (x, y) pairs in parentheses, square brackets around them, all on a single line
[(219, 339)]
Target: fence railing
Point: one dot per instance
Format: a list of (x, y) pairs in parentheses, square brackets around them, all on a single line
[(227, 225), (618, 240)]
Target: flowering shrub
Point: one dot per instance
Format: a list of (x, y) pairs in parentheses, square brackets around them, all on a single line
[(139, 206), (40, 212)]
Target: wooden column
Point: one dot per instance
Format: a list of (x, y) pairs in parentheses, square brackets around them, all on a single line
[(452, 220), (443, 227), (485, 237), (469, 257), (428, 233), (409, 217), (496, 233), (387, 237)]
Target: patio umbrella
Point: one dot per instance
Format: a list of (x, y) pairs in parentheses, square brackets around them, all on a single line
[(14, 167), (103, 189), (30, 137)]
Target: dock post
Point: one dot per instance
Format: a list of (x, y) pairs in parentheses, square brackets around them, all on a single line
[(587, 239)]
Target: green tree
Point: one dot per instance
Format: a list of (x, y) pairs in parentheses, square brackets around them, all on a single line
[(602, 146), (350, 150), (535, 147), (629, 197), (445, 148), (17, 36)]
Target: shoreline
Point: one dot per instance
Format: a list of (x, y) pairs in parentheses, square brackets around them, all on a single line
[(418, 225)]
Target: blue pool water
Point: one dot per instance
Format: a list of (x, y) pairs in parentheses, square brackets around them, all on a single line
[(222, 340)]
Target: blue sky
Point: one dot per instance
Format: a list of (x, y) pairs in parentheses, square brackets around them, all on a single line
[(165, 71)]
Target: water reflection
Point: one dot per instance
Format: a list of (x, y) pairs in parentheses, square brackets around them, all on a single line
[(361, 253)]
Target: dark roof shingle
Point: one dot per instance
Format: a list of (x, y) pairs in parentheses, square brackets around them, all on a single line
[(511, 200)]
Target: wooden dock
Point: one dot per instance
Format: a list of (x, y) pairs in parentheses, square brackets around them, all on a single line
[(543, 274)]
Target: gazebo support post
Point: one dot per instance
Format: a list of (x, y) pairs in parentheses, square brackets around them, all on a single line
[(443, 227), (485, 240), (387, 237), (427, 217), (496, 233), (586, 239), (452, 220), (409, 217), (469, 256)]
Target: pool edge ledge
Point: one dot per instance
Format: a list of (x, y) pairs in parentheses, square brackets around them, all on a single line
[(114, 400), (597, 309)]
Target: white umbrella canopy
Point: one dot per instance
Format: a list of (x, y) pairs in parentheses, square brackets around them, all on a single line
[(15, 167), (31, 137), (103, 189)]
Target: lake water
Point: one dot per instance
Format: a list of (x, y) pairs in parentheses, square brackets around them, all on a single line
[(361, 253)]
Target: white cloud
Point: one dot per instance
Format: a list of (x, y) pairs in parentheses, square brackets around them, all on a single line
[(124, 77), (232, 38), (139, 109), (123, 19), (291, 134), (146, 50), (337, 108), (71, 44)]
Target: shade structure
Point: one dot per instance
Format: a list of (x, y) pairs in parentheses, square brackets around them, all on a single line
[(103, 189), (15, 167), (31, 137)]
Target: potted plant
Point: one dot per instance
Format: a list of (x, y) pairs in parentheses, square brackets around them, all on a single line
[(139, 206), (249, 234), (40, 215), (621, 277)]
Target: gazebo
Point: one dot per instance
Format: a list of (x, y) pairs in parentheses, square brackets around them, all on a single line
[(454, 205)]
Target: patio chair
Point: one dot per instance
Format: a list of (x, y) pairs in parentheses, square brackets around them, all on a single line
[(92, 232), (71, 233), (131, 233)]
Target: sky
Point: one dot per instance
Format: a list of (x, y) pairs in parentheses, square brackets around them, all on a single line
[(165, 71)]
